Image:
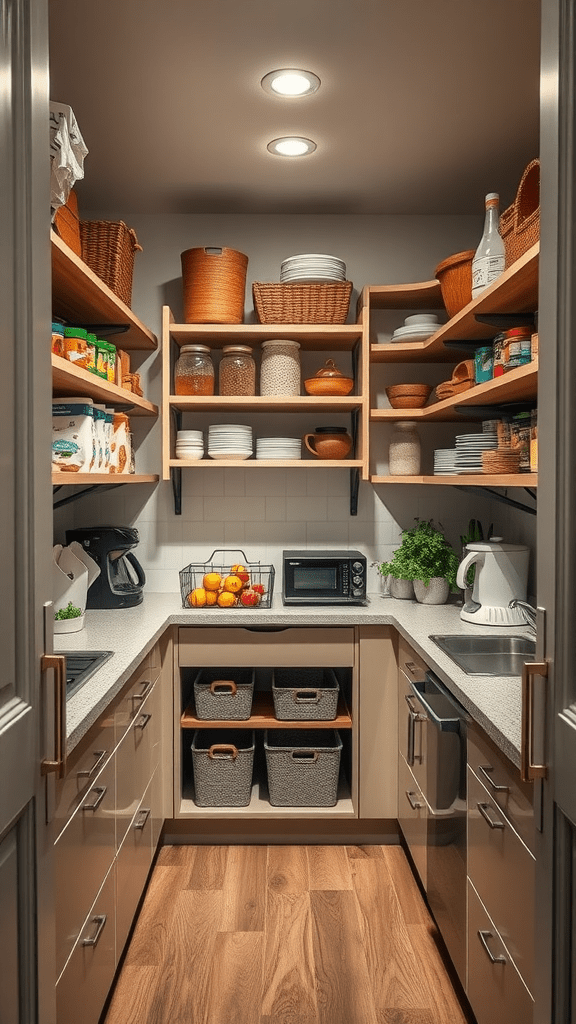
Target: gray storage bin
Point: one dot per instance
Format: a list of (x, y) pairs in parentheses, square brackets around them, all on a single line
[(303, 766), (223, 694), (305, 694), (222, 761)]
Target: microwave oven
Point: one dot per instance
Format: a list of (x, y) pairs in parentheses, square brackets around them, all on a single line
[(323, 577)]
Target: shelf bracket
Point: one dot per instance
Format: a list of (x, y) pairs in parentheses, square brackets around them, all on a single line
[(503, 497), (354, 487), (80, 494), (176, 479)]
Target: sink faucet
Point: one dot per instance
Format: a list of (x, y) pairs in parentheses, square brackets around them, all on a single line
[(528, 613)]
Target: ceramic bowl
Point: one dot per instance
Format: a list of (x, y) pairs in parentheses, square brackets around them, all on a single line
[(328, 385), (421, 318), (408, 396)]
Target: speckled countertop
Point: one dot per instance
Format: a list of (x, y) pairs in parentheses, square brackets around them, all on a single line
[(493, 701)]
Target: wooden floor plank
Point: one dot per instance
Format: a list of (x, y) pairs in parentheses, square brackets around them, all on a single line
[(409, 897), (176, 856), (405, 1017), (133, 996), (287, 869), (373, 852), (244, 889), (329, 868), (442, 999), (208, 867), (235, 993), (343, 991), (289, 990), (152, 931)]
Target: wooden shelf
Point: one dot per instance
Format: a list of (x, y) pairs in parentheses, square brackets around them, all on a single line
[(260, 806), (264, 403), (310, 336), (80, 296), (468, 480), (516, 290), (254, 463), (517, 385), (69, 380), (263, 717), (60, 479), (423, 295)]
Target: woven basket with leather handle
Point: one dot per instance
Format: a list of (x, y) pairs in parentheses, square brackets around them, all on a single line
[(108, 247), (520, 222)]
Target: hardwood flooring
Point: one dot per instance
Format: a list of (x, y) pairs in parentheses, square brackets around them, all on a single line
[(283, 935)]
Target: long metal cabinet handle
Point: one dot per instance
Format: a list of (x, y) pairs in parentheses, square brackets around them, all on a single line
[(528, 770), (57, 662), (414, 803), (484, 770), (484, 936), (100, 756), (101, 793), (493, 822), (413, 717), (100, 921)]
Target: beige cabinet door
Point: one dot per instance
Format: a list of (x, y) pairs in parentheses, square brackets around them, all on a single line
[(132, 867), (495, 990), (84, 984)]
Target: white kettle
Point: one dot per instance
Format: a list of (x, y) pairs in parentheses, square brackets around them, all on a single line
[(501, 575)]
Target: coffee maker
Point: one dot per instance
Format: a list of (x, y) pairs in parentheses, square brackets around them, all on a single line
[(121, 580)]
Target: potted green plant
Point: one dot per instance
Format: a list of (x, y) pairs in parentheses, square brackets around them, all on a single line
[(426, 558)]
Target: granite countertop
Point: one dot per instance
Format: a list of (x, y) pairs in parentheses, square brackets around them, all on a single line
[(493, 701)]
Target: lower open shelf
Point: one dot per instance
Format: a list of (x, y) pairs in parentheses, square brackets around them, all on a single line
[(260, 806), (465, 480), (263, 717)]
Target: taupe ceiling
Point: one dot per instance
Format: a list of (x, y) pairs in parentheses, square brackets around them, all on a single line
[(425, 105)]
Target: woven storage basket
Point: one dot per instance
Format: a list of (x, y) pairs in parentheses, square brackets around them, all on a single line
[(108, 247), (302, 303), (305, 694), (520, 222), (455, 277), (303, 767), (214, 283), (222, 694), (222, 762), (67, 223)]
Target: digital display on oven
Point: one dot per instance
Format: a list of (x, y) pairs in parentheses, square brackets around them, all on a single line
[(315, 578)]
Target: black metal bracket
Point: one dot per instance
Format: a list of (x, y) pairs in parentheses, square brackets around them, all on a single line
[(176, 471), (503, 497), (354, 487), (505, 321), (81, 493), (495, 411)]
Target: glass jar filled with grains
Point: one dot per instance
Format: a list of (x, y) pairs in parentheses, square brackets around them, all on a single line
[(280, 369), (237, 371), (194, 371)]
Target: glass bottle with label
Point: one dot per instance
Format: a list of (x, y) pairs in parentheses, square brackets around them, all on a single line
[(489, 258)]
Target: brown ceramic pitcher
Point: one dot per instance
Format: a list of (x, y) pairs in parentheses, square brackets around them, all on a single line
[(329, 442)]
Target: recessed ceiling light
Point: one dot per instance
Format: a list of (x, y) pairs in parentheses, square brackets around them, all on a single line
[(291, 146), (290, 82)]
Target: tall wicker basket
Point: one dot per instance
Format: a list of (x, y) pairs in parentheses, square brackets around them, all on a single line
[(109, 247), (520, 222), (214, 282)]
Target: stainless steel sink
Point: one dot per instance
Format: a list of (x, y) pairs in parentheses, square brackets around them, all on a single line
[(488, 655)]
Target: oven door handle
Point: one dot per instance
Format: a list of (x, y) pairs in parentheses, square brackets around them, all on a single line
[(413, 717)]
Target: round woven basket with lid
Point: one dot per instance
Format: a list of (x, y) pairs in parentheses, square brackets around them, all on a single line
[(214, 283)]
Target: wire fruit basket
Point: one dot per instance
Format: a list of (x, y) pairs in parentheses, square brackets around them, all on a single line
[(226, 581)]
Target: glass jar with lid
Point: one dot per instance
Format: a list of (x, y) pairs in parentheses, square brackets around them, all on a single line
[(194, 371), (237, 371), (404, 450), (280, 369)]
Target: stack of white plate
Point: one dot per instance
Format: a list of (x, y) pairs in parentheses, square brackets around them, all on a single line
[(445, 462), (278, 448), (469, 448), (418, 327), (312, 266), (229, 441), (189, 444)]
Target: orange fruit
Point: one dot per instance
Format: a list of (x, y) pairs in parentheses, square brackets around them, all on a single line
[(226, 599), (211, 597), (240, 572), (212, 581), (197, 598), (233, 584)]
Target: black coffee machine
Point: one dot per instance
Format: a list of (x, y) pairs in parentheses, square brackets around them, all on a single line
[(121, 580)]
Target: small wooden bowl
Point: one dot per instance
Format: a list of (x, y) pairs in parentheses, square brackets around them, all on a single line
[(408, 396), (328, 385)]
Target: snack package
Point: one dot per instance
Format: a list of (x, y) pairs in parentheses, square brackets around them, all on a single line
[(73, 447)]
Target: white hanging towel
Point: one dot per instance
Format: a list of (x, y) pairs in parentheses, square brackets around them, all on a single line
[(67, 152)]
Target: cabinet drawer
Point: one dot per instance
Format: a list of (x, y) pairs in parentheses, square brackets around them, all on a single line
[(411, 731), (412, 817), (410, 663), (83, 855), (84, 985), (136, 759), (313, 646), (502, 871), (128, 704), (495, 990), (495, 770), (132, 867), (86, 761)]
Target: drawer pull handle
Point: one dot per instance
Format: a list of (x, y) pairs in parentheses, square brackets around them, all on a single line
[(414, 716), (414, 803), (100, 921), (411, 668), (493, 822), (147, 684), (484, 770), (528, 770), (142, 721), (57, 662), (101, 791), (100, 756), (484, 936), (142, 818)]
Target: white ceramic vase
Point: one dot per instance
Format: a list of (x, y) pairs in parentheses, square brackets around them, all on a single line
[(403, 589), (436, 592)]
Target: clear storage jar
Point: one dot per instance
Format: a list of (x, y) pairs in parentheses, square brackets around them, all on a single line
[(280, 369), (237, 371), (194, 371), (404, 450)]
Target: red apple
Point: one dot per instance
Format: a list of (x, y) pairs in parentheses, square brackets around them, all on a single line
[(249, 598), (258, 588)]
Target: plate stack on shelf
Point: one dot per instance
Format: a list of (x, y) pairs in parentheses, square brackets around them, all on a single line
[(278, 448), (418, 327), (445, 462), (229, 441), (469, 450), (312, 266), (189, 445)]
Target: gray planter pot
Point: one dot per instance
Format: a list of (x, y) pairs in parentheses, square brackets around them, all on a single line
[(436, 592), (403, 589)]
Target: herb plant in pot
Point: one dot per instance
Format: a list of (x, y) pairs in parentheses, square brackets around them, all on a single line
[(426, 558)]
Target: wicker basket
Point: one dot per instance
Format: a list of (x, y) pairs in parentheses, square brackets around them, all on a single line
[(67, 223), (214, 283), (302, 766), (108, 248), (222, 762), (455, 277), (224, 694), (305, 694), (302, 303), (520, 222)]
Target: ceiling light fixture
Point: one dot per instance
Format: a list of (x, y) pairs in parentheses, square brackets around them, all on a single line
[(290, 82), (291, 146)]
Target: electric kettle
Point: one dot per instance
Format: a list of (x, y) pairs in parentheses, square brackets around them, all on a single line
[(501, 575)]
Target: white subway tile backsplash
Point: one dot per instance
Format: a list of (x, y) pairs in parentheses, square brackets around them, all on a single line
[(338, 482), (328, 535), (305, 510), (266, 482), (212, 481), (233, 510), (275, 509), (234, 483), (162, 581), (317, 481)]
